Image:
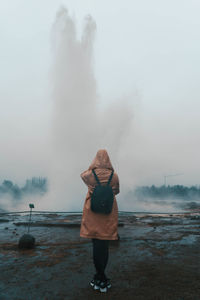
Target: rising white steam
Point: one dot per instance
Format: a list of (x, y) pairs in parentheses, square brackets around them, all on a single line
[(78, 129)]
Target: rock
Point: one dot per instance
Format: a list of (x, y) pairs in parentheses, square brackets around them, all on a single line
[(27, 241), (6, 228), (4, 220)]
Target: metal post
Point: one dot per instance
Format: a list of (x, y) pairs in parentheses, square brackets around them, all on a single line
[(31, 206), (29, 220)]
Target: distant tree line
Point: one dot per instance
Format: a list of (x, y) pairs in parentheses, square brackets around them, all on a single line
[(35, 185), (175, 191)]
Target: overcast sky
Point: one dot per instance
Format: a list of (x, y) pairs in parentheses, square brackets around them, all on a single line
[(145, 48)]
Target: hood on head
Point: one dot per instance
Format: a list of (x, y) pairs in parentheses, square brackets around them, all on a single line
[(101, 161)]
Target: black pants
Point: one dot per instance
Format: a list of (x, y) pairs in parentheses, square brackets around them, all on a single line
[(100, 257)]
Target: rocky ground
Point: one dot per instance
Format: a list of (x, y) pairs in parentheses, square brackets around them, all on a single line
[(156, 258)]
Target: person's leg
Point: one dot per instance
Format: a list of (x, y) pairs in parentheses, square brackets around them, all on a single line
[(100, 256), (105, 253), (96, 258)]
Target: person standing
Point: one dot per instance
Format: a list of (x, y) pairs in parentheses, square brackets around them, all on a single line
[(101, 228)]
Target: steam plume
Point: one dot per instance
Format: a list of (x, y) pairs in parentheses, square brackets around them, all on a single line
[(78, 129)]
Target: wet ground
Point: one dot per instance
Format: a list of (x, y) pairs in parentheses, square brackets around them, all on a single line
[(156, 258)]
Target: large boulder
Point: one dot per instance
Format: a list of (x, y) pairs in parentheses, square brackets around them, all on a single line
[(27, 241)]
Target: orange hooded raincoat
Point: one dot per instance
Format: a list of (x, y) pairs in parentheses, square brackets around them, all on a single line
[(95, 225)]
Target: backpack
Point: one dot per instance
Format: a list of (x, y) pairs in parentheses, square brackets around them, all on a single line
[(102, 197)]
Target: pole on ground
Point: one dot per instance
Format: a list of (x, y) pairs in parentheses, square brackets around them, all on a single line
[(27, 241), (31, 206)]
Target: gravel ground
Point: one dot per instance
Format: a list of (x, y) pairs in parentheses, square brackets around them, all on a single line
[(156, 258)]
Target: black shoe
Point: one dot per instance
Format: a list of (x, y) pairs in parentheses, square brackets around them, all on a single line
[(105, 285), (95, 282)]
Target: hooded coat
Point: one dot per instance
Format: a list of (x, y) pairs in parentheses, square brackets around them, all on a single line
[(96, 225)]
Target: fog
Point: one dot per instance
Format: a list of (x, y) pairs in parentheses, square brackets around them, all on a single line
[(134, 93)]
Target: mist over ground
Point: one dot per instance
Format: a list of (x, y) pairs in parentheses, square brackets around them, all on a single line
[(149, 126)]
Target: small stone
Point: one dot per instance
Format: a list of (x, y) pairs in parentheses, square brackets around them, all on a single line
[(27, 241)]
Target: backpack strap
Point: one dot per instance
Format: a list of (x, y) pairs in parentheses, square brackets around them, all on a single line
[(95, 175), (110, 178)]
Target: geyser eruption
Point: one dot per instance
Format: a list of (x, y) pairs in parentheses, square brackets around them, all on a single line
[(74, 114), (74, 92), (78, 129)]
